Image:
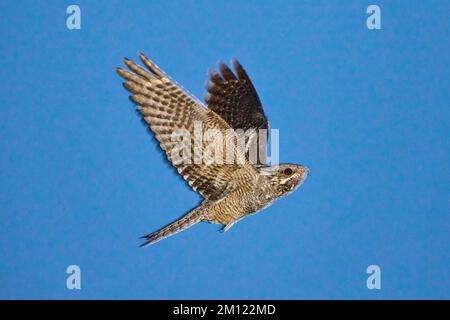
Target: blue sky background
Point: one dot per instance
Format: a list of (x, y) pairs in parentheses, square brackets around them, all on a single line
[(367, 111)]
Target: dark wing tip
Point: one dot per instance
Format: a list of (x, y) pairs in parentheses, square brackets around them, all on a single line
[(215, 77), (240, 71), (141, 54), (227, 74), (236, 64)]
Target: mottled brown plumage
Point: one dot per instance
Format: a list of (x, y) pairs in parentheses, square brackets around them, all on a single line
[(234, 99), (231, 191)]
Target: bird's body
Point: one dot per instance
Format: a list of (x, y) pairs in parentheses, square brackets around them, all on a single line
[(231, 191)]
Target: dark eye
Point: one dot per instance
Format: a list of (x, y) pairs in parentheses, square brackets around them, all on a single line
[(287, 171)]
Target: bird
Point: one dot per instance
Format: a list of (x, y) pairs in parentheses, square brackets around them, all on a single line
[(230, 191)]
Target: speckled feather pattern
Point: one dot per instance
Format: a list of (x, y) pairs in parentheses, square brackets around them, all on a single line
[(230, 191)]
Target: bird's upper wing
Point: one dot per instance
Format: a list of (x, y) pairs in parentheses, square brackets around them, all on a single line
[(166, 107), (233, 97)]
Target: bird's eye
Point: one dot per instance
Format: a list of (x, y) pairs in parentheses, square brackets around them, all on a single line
[(287, 171)]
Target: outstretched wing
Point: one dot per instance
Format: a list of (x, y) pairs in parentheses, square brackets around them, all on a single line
[(233, 97), (166, 107)]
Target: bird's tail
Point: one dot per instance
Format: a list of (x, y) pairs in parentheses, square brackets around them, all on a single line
[(187, 221)]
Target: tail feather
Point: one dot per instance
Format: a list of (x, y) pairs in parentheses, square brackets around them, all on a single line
[(179, 225)]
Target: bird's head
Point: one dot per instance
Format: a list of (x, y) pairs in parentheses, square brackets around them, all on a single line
[(285, 178)]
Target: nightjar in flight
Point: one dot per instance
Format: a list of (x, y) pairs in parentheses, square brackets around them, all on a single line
[(230, 191)]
